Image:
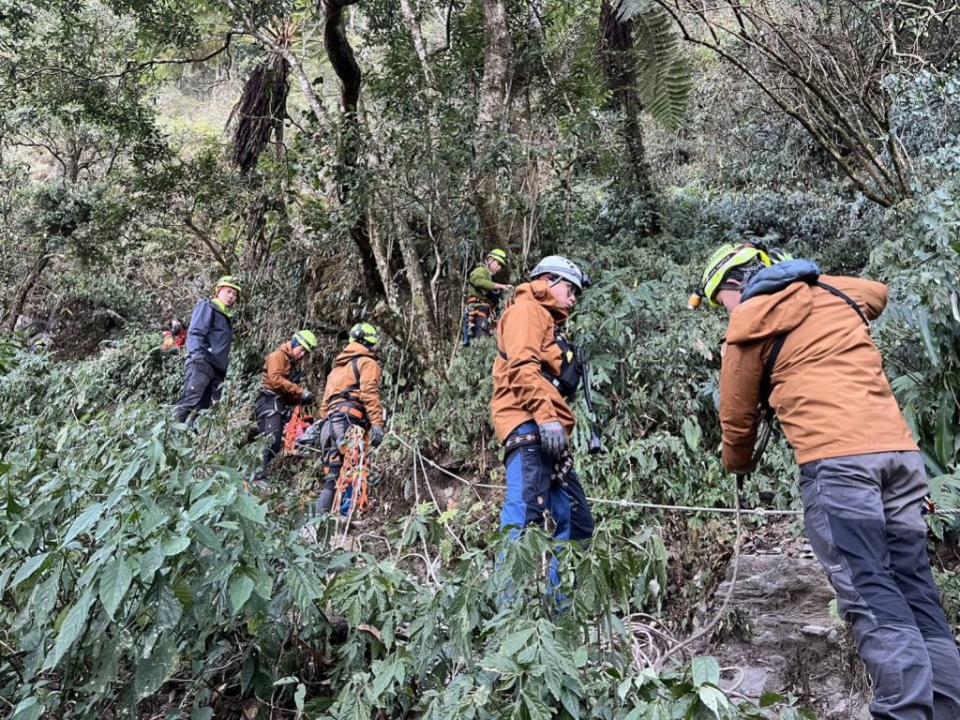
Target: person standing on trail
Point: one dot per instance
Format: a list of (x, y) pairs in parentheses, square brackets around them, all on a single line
[(483, 297), (208, 349), (280, 391), (535, 378), (799, 342), (351, 398)]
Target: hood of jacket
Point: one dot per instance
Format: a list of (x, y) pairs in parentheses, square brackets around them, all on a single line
[(287, 349), (775, 301), (353, 350), (538, 291)]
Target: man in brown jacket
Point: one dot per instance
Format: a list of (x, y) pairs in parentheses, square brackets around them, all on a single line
[(805, 338), (279, 392), (535, 377), (351, 398)]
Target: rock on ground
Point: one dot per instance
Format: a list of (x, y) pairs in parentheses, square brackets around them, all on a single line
[(780, 637)]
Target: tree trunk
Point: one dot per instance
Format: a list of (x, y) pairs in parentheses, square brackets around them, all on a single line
[(348, 151), (490, 114), (616, 56), (426, 324), (23, 292)]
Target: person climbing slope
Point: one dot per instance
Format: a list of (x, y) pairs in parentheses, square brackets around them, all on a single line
[(351, 398), (280, 392), (480, 312), (800, 341)]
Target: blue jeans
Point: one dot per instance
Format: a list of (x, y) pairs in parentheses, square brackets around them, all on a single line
[(532, 492)]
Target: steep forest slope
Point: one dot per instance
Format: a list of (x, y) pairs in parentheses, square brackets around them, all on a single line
[(352, 160)]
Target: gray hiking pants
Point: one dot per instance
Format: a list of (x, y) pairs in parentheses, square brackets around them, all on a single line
[(862, 514)]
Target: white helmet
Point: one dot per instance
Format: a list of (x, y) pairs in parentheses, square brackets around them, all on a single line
[(562, 268)]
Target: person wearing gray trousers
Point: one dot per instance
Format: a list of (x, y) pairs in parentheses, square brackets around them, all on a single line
[(863, 517)]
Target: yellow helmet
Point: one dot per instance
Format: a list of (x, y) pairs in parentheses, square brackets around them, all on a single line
[(306, 339), (227, 281), (366, 334), (726, 258), (499, 255)]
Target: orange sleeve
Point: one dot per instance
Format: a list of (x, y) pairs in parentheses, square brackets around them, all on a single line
[(870, 295), (370, 374), (740, 376), (521, 335), (275, 378)]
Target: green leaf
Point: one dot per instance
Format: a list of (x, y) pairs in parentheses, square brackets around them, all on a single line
[(154, 669), (712, 698), (705, 670), (929, 344), (70, 630), (83, 522), (204, 713), (240, 588), (175, 546), (44, 597), (29, 567), (692, 433), (150, 562), (515, 642), (247, 506), (201, 507), (28, 709), (168, 608), (114, 582), (944, 437)]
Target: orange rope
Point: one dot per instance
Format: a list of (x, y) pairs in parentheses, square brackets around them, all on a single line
[(298, 424), (353, 472)]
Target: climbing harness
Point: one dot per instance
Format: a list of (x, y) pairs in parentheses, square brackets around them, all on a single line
[(347, 401), (574, 371), (479, 317)]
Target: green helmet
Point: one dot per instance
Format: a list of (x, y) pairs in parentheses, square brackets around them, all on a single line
[(306, 339), (730, 256), (499, 255), (227, 281), (366, 334)]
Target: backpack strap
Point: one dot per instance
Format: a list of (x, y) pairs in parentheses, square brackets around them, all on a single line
[(355, 364), (846, 298), (348, 393), (768, 373)]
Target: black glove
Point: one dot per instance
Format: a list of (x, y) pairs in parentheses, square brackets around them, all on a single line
[(553, 439), (306, 398), (376, 435)]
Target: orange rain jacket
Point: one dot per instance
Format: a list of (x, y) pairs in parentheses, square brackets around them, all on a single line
[(277, 371), (342, 380), (828, 388), (526, 335)]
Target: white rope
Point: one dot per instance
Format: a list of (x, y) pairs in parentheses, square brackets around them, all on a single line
[(759, 512), (606, 501)]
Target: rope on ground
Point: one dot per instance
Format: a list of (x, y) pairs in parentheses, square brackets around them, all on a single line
[(734, 573), (606, 501), (759, 512)]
